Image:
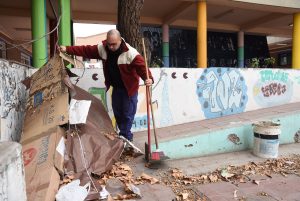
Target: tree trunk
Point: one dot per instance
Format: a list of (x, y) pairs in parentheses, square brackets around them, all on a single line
[(129, 12)]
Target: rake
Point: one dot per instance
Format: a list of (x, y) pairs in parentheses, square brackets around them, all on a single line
[(156, 155)]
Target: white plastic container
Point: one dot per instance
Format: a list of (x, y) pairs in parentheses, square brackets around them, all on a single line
[(266, 139)]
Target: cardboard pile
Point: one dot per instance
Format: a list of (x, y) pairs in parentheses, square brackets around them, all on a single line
[(46, 129), (46, 109)]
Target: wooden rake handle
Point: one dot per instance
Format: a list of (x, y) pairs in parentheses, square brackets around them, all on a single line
[(148, 94)]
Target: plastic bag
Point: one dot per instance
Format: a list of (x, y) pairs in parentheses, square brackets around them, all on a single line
[(73, 192)]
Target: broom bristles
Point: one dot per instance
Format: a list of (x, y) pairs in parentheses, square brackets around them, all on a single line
[(157, 155)]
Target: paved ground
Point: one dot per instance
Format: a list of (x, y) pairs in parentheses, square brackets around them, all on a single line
[(271, 189), (276, 188)]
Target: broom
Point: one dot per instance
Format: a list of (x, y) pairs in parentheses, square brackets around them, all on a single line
[(157, 154)]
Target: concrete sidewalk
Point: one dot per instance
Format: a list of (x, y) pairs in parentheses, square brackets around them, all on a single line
[(276, 188), (224, 134), (207, 125)]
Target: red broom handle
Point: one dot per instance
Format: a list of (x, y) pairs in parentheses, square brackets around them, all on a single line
[(147, 99), (149, 95)]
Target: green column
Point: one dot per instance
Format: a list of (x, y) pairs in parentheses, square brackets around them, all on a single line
[(38, 25), (65, 23), (241, 49), (165, 48)]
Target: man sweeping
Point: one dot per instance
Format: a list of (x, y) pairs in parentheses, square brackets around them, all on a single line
[(122, 67)]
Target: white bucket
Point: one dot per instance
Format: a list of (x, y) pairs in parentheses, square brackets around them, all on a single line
[(266, 139)]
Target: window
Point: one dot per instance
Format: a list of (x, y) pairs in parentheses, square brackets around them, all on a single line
[(25, 59), (285, 59), (2, 50)]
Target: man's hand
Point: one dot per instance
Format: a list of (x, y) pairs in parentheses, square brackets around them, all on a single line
[(148, 82), (63, 49)]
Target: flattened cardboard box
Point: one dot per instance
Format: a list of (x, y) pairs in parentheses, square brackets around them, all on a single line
[(47, 107), (45, 116), (50, 73), (42, 158), (44, 190), (48, 102)]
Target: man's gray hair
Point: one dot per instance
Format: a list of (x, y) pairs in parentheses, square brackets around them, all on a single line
[(113, 32)]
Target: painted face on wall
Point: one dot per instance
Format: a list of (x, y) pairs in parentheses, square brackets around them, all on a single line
[(113, 42)]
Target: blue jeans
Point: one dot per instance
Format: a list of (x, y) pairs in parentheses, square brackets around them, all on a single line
[(124, 108)]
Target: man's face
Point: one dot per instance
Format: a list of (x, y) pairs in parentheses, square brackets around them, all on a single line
[(113, 42)]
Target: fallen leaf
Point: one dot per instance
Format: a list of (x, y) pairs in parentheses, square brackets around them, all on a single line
[(184, 196), (187, 182), (289, 162), (133, 189), (150, 179), (117, 172), (177, 175), (124, 173), (235, 193), (242, 180), (283, 174), (226, 174), (125, 167), (268, 175), (145, 176), (66, 180), (263, 194), (255, 182), (213, 178), (204, 177)]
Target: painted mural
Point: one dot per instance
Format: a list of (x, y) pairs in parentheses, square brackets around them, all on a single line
[(179, 95), (273, 87), (182, 95), (221, 92), (13, 96)]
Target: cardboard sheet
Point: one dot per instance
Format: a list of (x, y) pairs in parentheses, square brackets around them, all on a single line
[(100, 152), (45, 125)]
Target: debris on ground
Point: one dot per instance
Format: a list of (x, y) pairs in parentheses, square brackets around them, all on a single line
[(123, 184), (235, 174)]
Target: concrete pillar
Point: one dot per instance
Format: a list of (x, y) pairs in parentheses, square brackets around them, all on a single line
[(65, 22), (296, 42), (241, 57), (12, 178), (38, 25), (165, 50), (201, 34)]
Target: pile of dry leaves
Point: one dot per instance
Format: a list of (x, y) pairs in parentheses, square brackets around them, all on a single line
[(124, 173), (182, 184)]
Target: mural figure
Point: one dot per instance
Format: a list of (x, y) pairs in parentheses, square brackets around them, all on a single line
[(221, 92), (99, 93)]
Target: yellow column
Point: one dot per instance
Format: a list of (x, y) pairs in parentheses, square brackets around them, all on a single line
[(296, 42), (202, 34)]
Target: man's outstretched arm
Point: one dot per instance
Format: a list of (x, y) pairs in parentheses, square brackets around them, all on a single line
[(86, 51)]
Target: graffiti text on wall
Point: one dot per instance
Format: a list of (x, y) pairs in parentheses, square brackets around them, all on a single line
[(273, 88), (221, 91), (270, 75)]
